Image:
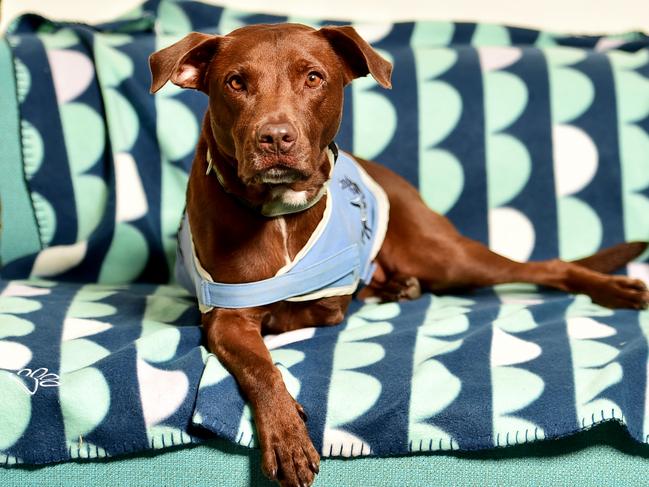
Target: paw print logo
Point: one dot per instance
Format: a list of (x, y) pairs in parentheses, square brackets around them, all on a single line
[(31, 380)]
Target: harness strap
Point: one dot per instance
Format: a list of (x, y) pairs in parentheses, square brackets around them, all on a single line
[(279, 288)]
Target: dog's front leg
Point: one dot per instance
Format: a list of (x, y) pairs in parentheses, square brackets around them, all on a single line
[(288, 455)]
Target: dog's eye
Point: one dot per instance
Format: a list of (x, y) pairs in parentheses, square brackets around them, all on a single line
[(236, 83), (313, 79)]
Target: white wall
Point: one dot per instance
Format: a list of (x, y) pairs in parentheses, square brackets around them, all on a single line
[(576, 16)]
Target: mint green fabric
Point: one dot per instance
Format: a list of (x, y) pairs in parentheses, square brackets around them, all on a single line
[(18, 232), (602, 456)]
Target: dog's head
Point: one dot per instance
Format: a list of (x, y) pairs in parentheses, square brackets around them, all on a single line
[(275, 95)]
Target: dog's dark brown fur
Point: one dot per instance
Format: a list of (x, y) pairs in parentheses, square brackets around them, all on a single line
[(275, 103)]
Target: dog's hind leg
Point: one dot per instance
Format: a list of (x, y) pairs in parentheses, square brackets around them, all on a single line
[(474, 265), (426, 245), (397, 287)]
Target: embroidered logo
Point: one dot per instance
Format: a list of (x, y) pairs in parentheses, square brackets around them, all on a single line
[(31, 380), (359, 202)]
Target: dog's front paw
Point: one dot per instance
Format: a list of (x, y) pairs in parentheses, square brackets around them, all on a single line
[(287, 453)]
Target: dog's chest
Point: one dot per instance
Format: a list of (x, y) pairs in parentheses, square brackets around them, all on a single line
[(273, 248), (263, 261), (283, 230)]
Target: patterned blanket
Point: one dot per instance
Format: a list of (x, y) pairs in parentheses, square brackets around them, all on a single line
[(90, 371), (534, 143)]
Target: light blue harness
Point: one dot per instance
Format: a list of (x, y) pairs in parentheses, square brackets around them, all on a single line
[(338, 256)]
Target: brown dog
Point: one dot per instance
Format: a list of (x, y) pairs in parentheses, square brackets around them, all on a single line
[(275, 104)]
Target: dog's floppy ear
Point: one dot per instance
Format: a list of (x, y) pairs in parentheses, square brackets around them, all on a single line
[(183, 63), (359, 57)]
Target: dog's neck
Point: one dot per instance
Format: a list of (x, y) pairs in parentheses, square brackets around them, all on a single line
[(230, 237), (284, 201)]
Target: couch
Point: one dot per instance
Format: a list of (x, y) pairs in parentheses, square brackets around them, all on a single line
[(533, 142)]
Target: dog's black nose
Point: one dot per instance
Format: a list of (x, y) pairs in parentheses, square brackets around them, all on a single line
[(277, 137)]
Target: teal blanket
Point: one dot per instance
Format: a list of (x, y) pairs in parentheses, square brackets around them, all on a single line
[(531, 142)]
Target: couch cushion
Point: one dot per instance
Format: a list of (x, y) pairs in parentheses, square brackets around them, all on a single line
[(580, 458)]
